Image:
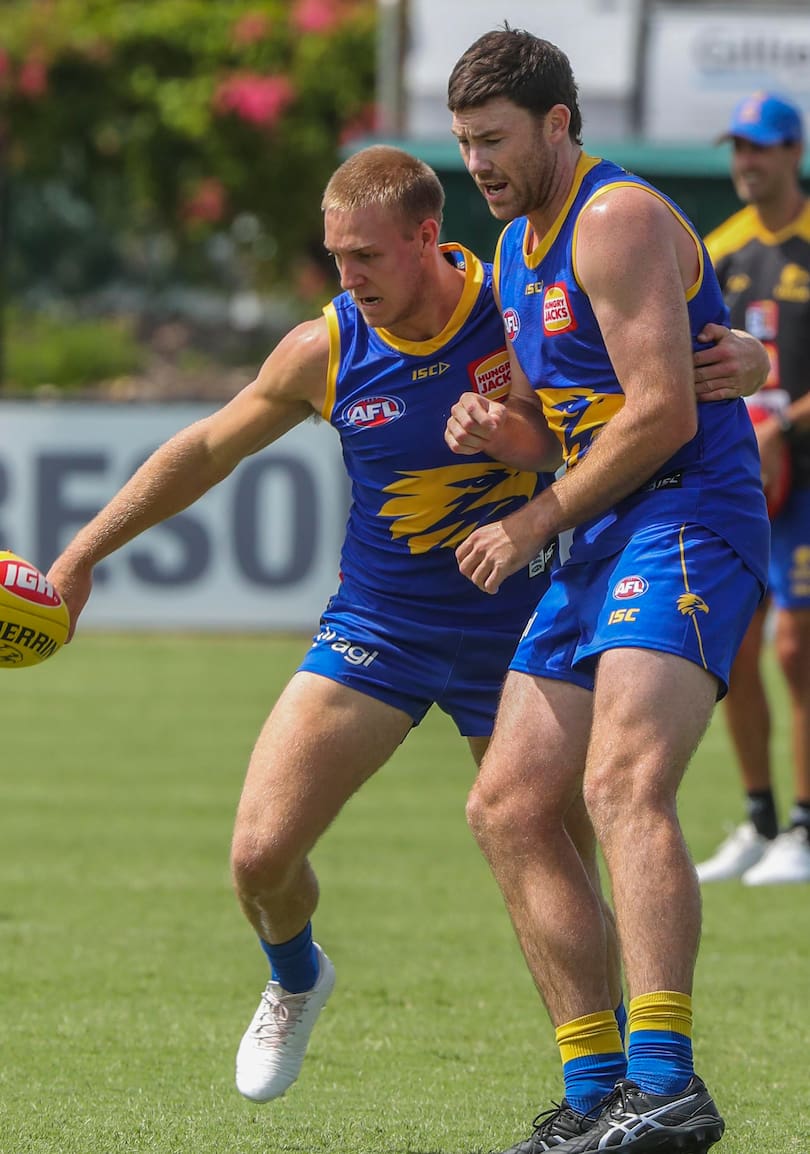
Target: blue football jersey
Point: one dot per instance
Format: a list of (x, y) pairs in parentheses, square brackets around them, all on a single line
[(714, 479), (412, 499)]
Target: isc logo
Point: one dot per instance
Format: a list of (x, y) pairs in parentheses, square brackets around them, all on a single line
[(534, 289), (623, 615), (629, 587), (430, 371), (28, 583), (373, 411)]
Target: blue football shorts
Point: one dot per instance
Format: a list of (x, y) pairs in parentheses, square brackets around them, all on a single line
[(673, 588), (789, 573), (411, 665)]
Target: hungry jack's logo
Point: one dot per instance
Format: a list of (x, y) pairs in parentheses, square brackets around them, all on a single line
[(491, 375), (557, 314)]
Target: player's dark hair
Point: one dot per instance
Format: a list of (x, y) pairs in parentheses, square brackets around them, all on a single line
[(389, 177), (533, 73)]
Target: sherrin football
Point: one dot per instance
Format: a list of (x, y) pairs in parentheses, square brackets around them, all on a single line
[(34, 620)]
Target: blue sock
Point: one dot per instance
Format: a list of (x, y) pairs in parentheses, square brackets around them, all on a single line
[(621, 1021), (659, 1051), (294, 963), (592, 1057)]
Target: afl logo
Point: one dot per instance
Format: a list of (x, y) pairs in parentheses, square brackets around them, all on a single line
[(511, 323), (629, 587), (373, 411)]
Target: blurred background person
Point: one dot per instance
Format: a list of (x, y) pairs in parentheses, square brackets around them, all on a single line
[(762, 256)]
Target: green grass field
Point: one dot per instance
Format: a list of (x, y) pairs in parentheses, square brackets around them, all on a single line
[(128, 973)]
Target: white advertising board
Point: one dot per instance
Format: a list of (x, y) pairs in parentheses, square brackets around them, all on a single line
[(258, 552), (700, 61)]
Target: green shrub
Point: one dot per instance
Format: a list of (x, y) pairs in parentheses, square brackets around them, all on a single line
[(67, 354)]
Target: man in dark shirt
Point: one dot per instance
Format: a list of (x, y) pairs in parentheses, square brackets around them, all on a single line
[(762, 257)]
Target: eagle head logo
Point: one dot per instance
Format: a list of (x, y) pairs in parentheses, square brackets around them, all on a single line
[(689, 604)]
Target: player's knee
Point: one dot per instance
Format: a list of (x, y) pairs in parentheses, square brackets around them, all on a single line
[(630, 800), (485, 814), (260, 864), (500, 817)]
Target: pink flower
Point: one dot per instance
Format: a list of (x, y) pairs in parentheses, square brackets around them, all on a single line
[(206, 203), (33, 78), (251, 28), (259, 100), (315, 15)]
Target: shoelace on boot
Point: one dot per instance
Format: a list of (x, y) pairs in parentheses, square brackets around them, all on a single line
[(280, 1016)]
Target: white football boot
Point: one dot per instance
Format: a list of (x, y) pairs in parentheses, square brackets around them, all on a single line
[(272, 1050), (741, 850), (787, 859)]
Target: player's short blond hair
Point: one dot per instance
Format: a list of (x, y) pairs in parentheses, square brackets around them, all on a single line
[(389, 177)]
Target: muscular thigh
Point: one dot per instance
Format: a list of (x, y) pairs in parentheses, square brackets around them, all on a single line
[(319, 744), (539, 743), (650, 711)]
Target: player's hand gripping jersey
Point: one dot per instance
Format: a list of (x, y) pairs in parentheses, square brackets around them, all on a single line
[(413, 500), (714, 479)]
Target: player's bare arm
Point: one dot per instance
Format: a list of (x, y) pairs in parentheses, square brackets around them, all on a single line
[(290, 387), (635, 261)]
